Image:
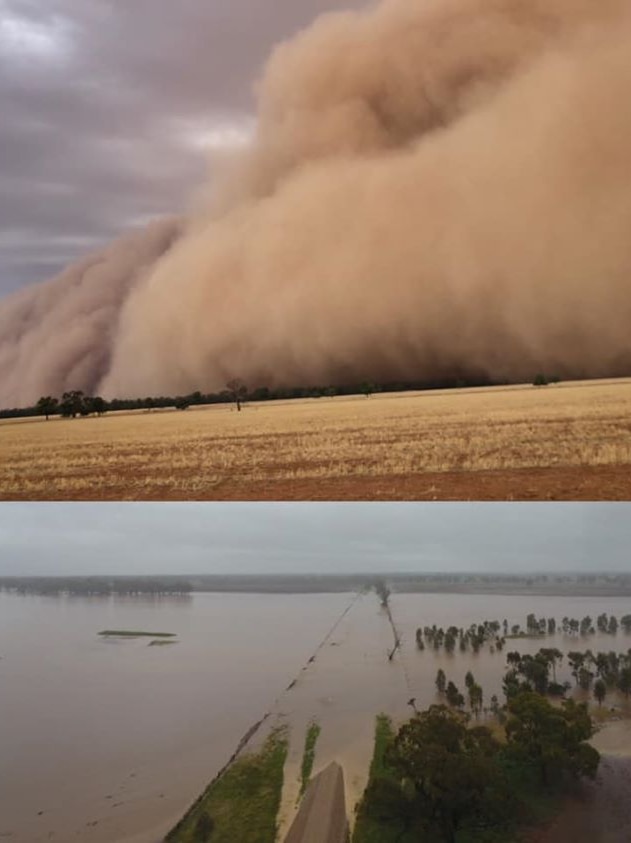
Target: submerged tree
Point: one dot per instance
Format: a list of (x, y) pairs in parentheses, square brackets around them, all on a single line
[(600, 691), (441, 681)]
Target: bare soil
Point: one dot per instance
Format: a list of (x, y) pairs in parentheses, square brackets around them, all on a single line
[(560, 483)]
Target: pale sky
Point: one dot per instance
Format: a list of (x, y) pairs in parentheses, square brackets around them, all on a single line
[(173, 538), (110, 108)]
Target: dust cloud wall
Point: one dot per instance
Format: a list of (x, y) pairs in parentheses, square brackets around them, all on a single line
[(435, 187)]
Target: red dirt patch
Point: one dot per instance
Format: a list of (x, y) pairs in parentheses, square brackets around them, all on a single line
[(561, 483)]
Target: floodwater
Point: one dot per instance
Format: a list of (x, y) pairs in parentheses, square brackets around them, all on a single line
[(112, 740), (419, 610)]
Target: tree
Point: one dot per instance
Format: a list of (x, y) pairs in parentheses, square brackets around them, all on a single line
[(367, 389), (383, 592), (475, 698), (600, 691), (469, 681), (237, 391), (452, 770), (441, 681), (182, 403), (99, 405), (71, 403), (454, 697), (552, 739), (513, 658), (586, 626), (94, 404), (535, 670), (552, 656), (47, 405), (624, 681), (540, 380), (576, 661)]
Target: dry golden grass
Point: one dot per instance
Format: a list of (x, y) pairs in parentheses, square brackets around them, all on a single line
[(299, 448)]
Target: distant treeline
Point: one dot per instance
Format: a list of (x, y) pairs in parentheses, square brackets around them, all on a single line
[(76, 403), (95, 586), (562, 584)]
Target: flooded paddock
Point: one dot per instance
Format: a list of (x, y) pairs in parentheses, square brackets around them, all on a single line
[(107, 740)]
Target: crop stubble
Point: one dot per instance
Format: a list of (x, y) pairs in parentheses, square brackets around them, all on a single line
[(567, 441)]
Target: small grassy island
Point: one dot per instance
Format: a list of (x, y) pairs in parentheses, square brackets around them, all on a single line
[(132, 633)]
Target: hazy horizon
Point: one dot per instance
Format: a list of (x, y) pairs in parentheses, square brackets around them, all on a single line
[(153, 539)]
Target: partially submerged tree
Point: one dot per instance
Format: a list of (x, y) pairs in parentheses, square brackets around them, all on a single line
[(441, 681), (600, 691), (383, 592)]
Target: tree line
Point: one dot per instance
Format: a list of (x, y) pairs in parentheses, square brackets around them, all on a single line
[(95, 586), (600, 672), (495, 633), (474, 637), (235, 392)]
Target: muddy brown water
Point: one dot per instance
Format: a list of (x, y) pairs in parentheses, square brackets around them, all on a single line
[(112, 740)]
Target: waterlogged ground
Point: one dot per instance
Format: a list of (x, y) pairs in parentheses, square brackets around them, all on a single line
[(112, 740)]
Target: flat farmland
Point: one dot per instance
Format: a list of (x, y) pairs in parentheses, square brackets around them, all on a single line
[(559, 442)]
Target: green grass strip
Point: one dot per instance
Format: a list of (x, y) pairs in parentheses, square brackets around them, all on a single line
[(241, 804), (367, 828), (308, 755)]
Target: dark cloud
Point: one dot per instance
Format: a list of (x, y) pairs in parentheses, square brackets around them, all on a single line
[(105, 107), (153, 538)]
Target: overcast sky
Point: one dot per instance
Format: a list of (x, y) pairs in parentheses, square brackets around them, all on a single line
[(171, 538), (108, 110)]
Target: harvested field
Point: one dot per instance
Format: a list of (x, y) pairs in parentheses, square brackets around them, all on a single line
[(561, 442)]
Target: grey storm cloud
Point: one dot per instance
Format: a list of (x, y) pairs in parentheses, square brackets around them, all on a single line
[(171, 538), (108, 110)]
